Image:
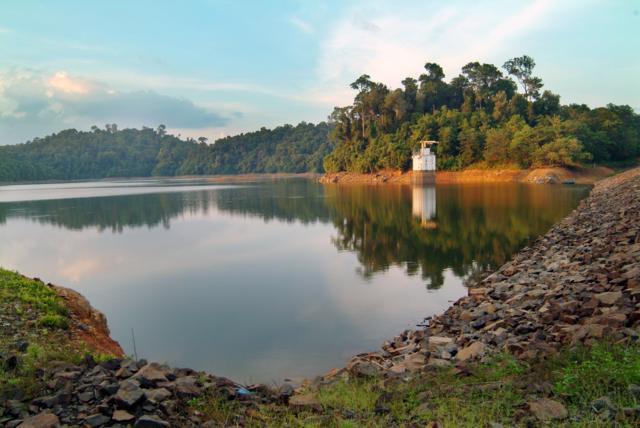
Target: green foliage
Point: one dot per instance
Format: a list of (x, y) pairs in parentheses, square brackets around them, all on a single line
[(74, 155), (22, 291), (604, 369), (478, 118), (54, 321)]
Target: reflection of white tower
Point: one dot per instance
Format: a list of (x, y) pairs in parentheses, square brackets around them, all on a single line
[(424, 205)]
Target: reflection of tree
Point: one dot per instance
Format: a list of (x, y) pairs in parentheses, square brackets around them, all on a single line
[(476, 227), (106, 213)]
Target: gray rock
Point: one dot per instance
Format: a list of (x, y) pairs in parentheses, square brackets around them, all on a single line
[(150, 421), (129, 394), (97, 420)]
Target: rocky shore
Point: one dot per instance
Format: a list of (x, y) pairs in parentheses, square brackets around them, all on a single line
[(578, 283)]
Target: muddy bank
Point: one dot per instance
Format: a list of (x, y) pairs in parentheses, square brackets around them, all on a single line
[(539, 175), (88, 325)]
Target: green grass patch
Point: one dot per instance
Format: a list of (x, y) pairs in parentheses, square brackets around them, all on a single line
[(19, 290), (586, 374)]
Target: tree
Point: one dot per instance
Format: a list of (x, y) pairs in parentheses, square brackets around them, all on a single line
[(522, 68), (362, 85)]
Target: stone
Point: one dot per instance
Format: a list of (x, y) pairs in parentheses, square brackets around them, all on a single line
[(150, 375), (157, 395), (476, 349), (365, 369), (187, 387), (122, 416), (286, 390), (608, 298), (11, 363), (129, 394), (414, 362), (545, 410), (41, 420), (305, 402), (603, 405), (436, 342), (151, 421), (97, 420)]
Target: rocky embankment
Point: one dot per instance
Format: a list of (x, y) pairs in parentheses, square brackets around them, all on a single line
[(578, 283), (535, 176)]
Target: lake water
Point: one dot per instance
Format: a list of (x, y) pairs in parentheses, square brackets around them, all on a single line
[(264, 281)]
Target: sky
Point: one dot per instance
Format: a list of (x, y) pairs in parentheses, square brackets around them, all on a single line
[(221, 67)]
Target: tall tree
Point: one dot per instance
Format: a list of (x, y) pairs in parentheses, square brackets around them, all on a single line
[(522, 69)]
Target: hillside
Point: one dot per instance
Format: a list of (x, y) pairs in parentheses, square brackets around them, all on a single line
[(103, 153), (480, 120)]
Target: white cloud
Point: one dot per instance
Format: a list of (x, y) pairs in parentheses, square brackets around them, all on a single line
[(34, 103), (391, 43), (301, 25), (62, 82)]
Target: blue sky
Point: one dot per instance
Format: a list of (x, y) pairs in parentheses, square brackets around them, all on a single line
[(213, 68)]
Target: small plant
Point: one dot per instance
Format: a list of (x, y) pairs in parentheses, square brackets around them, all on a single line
[(54, 321)]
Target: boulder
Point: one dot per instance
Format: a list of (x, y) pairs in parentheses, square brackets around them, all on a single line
[(476, 349), (129, 394), (151, 421), (41, 420), (305, 402)]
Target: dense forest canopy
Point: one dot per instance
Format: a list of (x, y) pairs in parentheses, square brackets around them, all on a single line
[(110, 152), (481, 118)]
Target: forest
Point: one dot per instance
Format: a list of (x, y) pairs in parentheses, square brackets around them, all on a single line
[(110, 152), (482, 118), (485, 117)]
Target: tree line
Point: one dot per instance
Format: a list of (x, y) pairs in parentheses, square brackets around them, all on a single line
[(110, 152), (482, 118)]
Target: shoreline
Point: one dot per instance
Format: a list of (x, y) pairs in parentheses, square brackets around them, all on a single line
[(224, 178), (577, 284), (477, 176)]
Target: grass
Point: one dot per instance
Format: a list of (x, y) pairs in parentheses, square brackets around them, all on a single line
[(22, 292), (495, 391), (31, 311)]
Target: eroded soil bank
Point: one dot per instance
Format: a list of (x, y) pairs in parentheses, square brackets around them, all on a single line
[(539, 176), (504, 354)]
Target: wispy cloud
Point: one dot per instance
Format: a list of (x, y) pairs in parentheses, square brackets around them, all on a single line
[(391, 43), (301, 25)]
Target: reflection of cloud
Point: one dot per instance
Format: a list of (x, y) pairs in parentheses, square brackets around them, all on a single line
[(77, 270), (390, 299)]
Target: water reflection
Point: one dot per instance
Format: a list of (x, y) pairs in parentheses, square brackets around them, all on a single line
[(423, 200), (421, 228), (262, 281)]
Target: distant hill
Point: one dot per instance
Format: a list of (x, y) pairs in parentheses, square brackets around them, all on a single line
[(102, 153)]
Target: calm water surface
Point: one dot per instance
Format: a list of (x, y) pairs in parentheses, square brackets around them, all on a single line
[(264, 281)]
